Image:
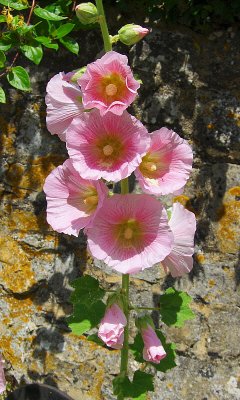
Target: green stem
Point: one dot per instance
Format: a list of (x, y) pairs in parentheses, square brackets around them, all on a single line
[(103, 26), (124, 186)]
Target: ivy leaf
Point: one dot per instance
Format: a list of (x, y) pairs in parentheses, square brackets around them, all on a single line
[(70, 44), (2, 95), (86, 290), (33, 53), (63, 30), (86, 317), (137, 389), (19, 78), (2, 59), (16, 5), (45, 14), (45, 41), (167, 363), (174, 307)]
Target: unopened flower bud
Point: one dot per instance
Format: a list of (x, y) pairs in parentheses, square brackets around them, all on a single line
[(87, 13), (130, 34)]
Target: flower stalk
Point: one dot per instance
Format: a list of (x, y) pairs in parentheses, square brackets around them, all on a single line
[(124, 190)]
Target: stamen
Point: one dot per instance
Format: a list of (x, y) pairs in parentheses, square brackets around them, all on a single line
[(128, 233), (111, 89), (150, 166), (91, 200), (107, 150)]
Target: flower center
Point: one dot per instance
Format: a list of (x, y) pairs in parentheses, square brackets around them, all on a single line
[(153, 165), (150, 166), (111, 89), (128, 233), (107, 150), (91, 200)]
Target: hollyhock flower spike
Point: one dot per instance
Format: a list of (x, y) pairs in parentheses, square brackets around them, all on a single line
[(108, 84), (130, 233), (167, 165), (183, 226), (64, 102), (2, 377), (72, 202), (111, 330), (108, 147)]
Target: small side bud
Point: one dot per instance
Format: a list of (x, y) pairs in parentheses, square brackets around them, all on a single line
[(130, 34), (87, 13)]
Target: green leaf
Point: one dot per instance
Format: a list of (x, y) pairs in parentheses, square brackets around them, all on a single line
[(63, 30), (49, 16), (2, 59), (86, 317), (5, 44), (33, 53), (70, 44), (86, 290), (19, 78), (45, 41), (137, 389), (16, 5), (174, 307), (2, 18), (167, 363), (2, 95), (94, 338)]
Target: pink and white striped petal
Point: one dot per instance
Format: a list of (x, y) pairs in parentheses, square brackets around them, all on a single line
[(72, 202), (167, 165), (2, 376), (183, 226), (108, 84), (109, 147), (64, 102), (130, 233)]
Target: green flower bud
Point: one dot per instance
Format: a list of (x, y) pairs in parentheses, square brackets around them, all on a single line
[(143, 322), (87, 13), (130, 34)]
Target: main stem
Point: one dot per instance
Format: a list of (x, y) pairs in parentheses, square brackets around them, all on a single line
[(103, 26), (124, 190)]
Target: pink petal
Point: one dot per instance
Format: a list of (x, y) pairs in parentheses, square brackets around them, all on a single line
[(183, 226)]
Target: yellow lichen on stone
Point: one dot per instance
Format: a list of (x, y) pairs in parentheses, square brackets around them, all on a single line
[(229, 226), (26, 221), (16, 273), (9, 353), (7, 137), (200, 258), (184, 200)]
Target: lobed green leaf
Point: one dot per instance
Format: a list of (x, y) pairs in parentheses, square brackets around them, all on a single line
[(141, 384), (86, 317), (174, 307), (86, 290)]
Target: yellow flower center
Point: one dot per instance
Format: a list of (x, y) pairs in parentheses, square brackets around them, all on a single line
[(111, 89), (89, 199), (108, 150), (128, 233), (153, 165)]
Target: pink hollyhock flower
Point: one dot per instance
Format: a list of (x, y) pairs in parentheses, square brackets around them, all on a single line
[(2, 377), (72, 202), (64, 102), (130, 233), (183, 226), (167, 165), (111, 330), (108, 147), (108, 84), (153, 350)]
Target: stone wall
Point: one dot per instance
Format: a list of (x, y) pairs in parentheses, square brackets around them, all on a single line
[(191, 84)]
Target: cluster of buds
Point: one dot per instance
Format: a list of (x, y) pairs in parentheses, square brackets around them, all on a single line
[(129, 34)]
